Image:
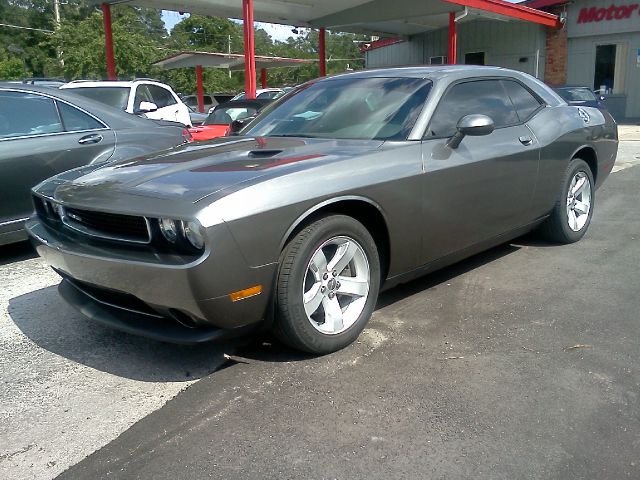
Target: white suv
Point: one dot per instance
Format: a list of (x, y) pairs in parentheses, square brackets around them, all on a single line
[(139, 97)]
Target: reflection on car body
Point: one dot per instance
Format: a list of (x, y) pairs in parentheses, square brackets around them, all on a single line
[(355, 183)]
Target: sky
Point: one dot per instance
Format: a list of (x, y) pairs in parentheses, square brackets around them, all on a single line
[(277, 32)]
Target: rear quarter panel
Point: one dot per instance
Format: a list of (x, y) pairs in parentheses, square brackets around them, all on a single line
[(562, 133)]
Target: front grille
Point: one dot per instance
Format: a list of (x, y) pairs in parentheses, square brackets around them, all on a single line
[(110, 226)]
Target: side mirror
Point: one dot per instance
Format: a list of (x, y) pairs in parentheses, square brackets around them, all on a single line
[(474, 125), (146, 107), (602, 98)]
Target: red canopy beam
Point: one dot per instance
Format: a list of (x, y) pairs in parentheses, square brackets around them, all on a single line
[(200, 88), (453, 39), (249, 50), (512, 10), (108, 41), (321, 52)]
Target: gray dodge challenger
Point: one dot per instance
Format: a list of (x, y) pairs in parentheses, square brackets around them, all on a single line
[(348, 185)]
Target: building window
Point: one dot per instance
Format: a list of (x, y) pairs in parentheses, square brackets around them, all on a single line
[(474, 58), (439, 60), (610, 68)]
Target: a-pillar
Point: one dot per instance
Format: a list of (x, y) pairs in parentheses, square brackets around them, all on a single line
[(321, 52), (249, 50), (453, 39), (200, 88), (108, 41)]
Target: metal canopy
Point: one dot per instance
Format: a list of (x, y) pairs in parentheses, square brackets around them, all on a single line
[(378, 17), (231, 61)]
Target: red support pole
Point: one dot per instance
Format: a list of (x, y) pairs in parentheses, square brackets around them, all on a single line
[(200, 88), (249, 50), (453, 38), (263, 78), (108, 41), (321, 52)]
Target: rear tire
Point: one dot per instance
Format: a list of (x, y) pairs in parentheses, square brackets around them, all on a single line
[(327, 286), (571, 215)]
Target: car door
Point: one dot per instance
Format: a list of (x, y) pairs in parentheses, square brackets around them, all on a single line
[(483, 188), (168, 106), (40, 137)]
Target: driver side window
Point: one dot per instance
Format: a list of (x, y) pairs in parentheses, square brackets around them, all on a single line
[(142, 95), (486, 97)]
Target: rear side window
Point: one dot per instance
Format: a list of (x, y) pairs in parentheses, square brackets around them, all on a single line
[(486, 97), (26, 114), (161, 96), (74, 120), (523, 100)]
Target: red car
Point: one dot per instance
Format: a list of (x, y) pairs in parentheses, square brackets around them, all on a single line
[(218, 122)]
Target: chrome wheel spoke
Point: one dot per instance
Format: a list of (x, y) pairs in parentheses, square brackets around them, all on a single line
[(318, 265), (573, 222), (579, 201), (343, 297), (580, 183), (344, 254), (351, 286), (333, 319), (581, 207), (313, 298)]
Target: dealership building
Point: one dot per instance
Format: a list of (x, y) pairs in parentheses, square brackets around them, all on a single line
[(598, 46)]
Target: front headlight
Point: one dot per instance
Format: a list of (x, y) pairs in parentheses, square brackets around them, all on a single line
[(169, 229), (193, 234)]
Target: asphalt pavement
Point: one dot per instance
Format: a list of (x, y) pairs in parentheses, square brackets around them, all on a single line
[(521, 362)]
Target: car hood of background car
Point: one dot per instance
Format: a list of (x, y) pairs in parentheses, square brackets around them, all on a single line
[(196, 171)]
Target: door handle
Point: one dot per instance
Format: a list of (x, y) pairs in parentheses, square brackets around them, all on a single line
[(526, 141), (93, 138)]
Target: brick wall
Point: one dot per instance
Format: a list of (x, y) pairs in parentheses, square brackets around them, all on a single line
[(555, 67)]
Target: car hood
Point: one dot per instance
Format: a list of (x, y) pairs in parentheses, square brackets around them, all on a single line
[(197, 170)]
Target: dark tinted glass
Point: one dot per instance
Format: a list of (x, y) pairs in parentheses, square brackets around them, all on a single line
[(114, 96), (75, 120), (226, 115), (24, 114), (346, 108), (522, 99), (486, 97), (161, 96), (143, 95)]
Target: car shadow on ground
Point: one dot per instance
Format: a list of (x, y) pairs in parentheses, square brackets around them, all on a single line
[(16, 252), (50, 323), (44, 317)]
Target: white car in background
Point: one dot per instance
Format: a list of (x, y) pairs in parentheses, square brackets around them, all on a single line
[(140, 97)]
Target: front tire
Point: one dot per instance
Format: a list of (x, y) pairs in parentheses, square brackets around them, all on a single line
[(328, 284), (571, 215)]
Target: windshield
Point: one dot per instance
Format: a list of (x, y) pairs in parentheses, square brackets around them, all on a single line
[(346, 108), (225, 115), (113, 96), (577, 94)]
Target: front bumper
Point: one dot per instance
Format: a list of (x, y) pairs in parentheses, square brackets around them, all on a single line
[(153, 296)]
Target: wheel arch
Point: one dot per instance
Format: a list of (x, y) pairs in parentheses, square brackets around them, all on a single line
[(362, 209), (589, 155)]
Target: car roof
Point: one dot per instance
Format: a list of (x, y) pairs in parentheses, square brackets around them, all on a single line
[(110, 83), (452, 73), (113, 117)]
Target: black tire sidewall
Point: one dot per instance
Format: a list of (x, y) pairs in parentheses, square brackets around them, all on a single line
[(290, 307), (576, 165)]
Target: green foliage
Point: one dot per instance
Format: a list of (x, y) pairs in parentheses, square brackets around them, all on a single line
[(140, 39)]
